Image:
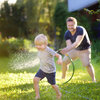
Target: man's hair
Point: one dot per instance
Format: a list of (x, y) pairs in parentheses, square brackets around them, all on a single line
[(69, 19), (41, 39)]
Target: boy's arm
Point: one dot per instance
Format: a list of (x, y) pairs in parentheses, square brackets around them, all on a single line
[(59, 61)]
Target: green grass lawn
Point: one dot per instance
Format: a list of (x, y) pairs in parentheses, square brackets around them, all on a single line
[(17, 84)]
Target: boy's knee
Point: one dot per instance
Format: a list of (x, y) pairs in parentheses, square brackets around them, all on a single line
[(53, 86), (35, 80)]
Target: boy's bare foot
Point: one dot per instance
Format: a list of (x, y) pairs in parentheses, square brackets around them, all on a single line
[(37, 97), (59, 96)]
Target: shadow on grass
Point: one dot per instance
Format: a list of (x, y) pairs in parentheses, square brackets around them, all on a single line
[(86, 91), (70, 91), (20, 92), (26, 92)]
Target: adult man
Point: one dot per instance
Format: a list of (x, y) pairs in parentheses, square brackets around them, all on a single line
[(78, 46)]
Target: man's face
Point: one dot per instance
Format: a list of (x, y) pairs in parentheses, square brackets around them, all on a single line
[(71, 26)]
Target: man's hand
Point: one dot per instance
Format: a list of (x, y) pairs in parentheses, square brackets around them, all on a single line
[(63, 51)]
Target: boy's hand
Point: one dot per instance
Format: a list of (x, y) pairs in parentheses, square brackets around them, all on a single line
[(59, 61)]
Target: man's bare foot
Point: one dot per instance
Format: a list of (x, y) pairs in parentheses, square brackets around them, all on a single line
[(94, 81), (59, 96), (37, 97)]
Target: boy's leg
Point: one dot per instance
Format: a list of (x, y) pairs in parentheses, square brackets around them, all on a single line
[(39, 76), (36, 87), (55, 87), (51, 79)]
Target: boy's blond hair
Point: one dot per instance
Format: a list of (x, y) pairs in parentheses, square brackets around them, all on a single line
[(41, 39)]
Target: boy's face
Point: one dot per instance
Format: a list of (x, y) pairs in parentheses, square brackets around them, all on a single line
[(41, 47)]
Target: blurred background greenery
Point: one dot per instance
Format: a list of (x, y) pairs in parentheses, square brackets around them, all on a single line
[(26, 18), (21, 21)]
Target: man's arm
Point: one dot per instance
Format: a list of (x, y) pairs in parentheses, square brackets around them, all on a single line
[(73, 45), (68, 43)]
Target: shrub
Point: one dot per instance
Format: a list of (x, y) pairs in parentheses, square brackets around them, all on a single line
[(4, 49), (14, 45), (96, 50)]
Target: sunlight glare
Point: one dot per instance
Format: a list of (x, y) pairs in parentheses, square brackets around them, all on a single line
[(12, 1), (9, 1)]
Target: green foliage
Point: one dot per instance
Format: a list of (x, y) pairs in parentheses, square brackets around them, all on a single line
[(14, 45), (92, 11), (96, 50), (85, 21), (39, 16), (59, 18), (27, 17), (17, 45), (4, 49), (12, 21), (31, 12)]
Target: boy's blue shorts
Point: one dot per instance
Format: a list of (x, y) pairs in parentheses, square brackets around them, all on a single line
[(50, 76)]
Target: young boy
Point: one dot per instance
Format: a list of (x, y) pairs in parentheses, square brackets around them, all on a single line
[(47, 65)]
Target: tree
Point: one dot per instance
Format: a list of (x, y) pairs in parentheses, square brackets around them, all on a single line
[(95, 24), (60, 16), (12, 20), (92, 12)]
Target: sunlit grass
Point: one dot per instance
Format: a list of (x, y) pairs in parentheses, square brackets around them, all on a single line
[(18, 84), (11, 84)]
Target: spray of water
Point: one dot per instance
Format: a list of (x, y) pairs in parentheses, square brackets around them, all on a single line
[(24, 60)]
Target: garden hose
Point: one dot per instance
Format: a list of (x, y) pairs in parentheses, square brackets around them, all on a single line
[(72, 66)]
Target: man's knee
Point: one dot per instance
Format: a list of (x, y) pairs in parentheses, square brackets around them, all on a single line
[(87, 65), (65, 63), (64, 66)]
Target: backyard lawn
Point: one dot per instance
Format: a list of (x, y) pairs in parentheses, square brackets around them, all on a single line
[(16, 80)]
